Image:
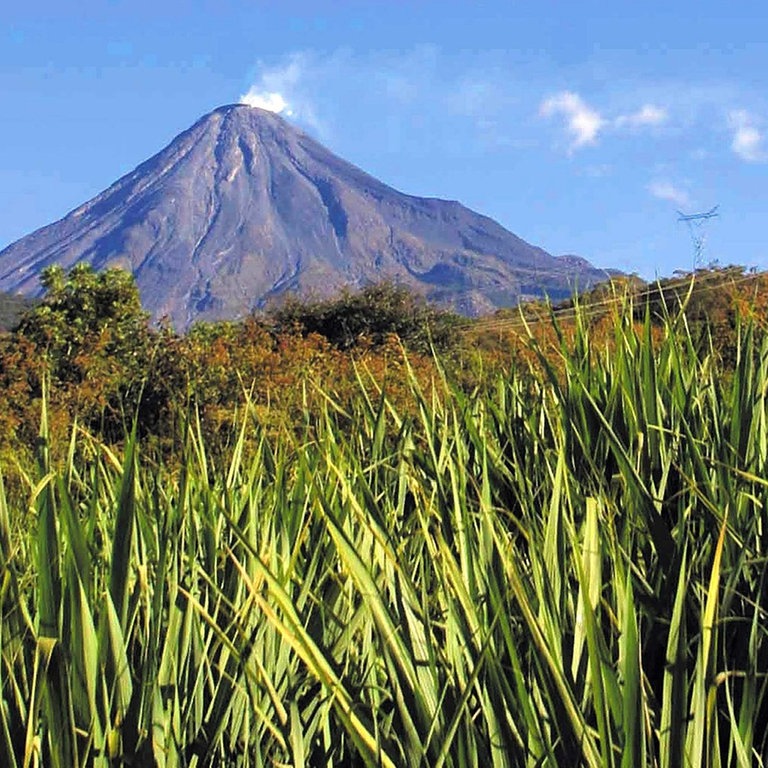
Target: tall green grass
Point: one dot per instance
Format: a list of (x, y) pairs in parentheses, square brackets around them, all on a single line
[(563, 570)]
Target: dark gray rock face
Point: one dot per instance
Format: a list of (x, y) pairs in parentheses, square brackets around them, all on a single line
[(243, 207)]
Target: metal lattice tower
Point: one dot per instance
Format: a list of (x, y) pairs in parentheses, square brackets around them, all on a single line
[(696, 223)]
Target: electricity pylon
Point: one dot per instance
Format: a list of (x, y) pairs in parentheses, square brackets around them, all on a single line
[(695, 223)]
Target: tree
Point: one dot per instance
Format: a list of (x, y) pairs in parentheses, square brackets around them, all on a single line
[(82, 305), (370, 316), (92, 333)]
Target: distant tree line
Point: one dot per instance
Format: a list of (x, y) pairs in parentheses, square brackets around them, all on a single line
[(90, 342)]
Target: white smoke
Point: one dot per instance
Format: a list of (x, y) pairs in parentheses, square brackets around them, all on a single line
[(272, 101), (282, 88)]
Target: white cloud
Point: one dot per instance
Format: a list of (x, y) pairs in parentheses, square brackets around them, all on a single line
[(748, 141), (666, 190), (647, 116), (585, 123), (582, 122), (479, 100)]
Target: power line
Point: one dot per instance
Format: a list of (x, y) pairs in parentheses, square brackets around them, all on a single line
[(590, 310), (595, 308)]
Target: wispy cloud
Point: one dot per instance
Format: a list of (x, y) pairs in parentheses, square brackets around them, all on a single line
[(583, 123), (406, 79), (748, 141), (474, 97), (478, 102), (598, 171), (648, 115), (402, 95), (666, 190)]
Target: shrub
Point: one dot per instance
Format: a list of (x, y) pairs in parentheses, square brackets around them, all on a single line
[(369, 316)]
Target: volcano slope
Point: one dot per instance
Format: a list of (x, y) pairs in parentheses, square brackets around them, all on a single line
[(243, 207)]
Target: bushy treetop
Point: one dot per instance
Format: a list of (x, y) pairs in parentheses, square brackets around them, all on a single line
[(369, 316), (84, 303)]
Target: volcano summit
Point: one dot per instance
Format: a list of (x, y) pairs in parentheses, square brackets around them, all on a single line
[(243, 207)]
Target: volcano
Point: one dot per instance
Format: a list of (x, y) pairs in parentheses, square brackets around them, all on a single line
[(243, 207)]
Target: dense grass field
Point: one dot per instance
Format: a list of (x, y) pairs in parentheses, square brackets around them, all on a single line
[(567, 568)]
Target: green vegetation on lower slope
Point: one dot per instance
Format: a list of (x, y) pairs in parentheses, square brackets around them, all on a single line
[(559, 569)]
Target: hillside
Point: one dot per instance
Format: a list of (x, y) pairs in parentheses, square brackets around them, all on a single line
[(12, 307)]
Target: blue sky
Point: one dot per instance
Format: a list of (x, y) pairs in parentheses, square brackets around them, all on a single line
[(582, 127)]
